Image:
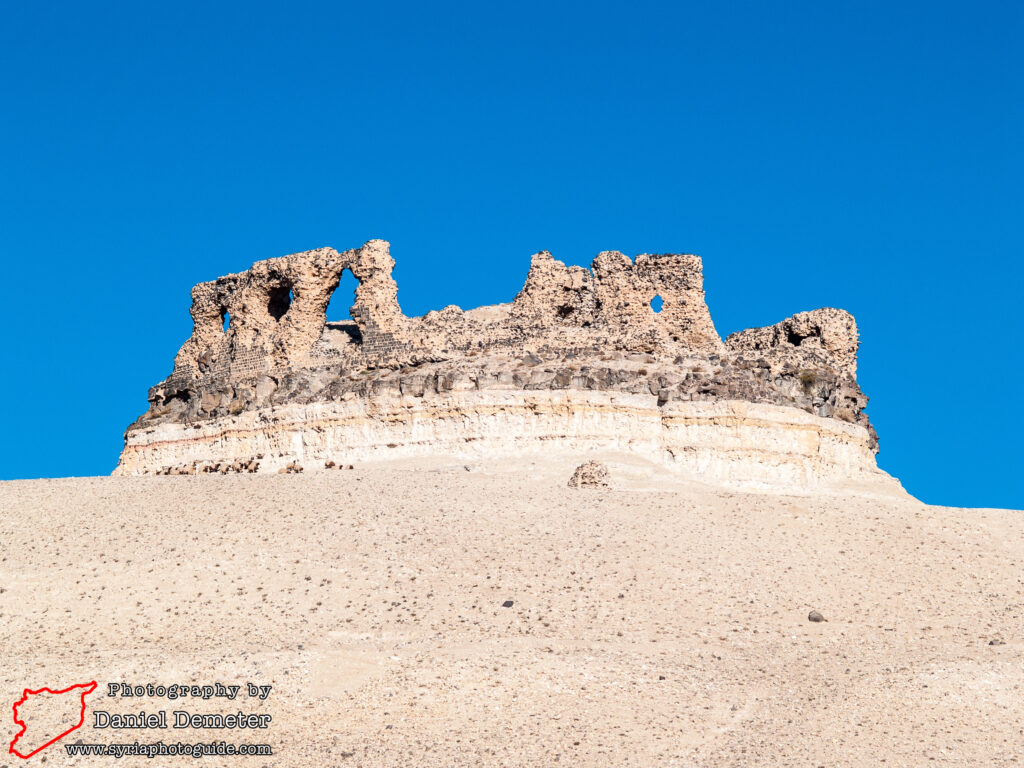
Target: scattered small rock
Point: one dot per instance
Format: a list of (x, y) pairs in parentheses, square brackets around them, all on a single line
[(815, 616), (593, 474), (996, 641), (507, 604)]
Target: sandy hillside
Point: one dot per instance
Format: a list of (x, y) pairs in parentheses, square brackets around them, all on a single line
[(655, 623)]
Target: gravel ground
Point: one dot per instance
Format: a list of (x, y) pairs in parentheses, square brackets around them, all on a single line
[(418, 615)]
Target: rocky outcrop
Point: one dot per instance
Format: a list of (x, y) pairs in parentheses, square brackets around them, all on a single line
[(622, 355), (593, 474)]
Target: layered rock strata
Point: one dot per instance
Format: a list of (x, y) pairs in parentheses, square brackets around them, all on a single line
[(621, 356)]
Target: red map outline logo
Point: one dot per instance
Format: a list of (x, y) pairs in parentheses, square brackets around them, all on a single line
[(87, 689)]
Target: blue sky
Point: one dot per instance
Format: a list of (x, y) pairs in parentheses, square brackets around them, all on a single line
[(865, 156)]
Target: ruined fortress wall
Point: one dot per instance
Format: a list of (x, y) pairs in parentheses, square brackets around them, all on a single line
[(261, 348), (277, 312)]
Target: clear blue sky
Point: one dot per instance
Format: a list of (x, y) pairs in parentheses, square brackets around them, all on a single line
[(858, 155)]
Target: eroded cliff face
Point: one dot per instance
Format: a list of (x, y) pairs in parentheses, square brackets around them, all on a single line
[(623, 355)]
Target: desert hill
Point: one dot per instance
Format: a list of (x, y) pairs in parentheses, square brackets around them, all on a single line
[(655, 622)]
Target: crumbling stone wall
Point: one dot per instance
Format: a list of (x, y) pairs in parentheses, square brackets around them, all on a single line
[(554, 296), (276, 311), (272, 315), (826, 336), (624, 290), (611, 303)]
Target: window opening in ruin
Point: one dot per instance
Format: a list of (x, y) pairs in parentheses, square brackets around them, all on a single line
[(656, 303), (339, 308), (343, 298), (225, 320), (280, 300)]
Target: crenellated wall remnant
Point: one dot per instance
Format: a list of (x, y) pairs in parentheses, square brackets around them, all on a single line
[(637, 327), (276, 311)]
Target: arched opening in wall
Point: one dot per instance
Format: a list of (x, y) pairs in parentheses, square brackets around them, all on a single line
[(280, 300), (656, 303), (225, 320), (339, 311)]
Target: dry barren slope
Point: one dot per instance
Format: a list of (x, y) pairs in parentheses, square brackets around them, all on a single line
[(651, 624)]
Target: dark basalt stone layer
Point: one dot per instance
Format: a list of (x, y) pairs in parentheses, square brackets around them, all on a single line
[(819, 391)]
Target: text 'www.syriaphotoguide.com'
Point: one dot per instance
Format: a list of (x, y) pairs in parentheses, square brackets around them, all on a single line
[(160, 749)]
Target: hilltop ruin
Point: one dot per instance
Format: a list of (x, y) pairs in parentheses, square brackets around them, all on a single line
[(623, 355)]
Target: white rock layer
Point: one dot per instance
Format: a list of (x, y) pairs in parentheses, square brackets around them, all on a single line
[(726, 442)]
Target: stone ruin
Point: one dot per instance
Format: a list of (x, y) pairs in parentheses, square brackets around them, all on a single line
[(261, 342), (276, 313)]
